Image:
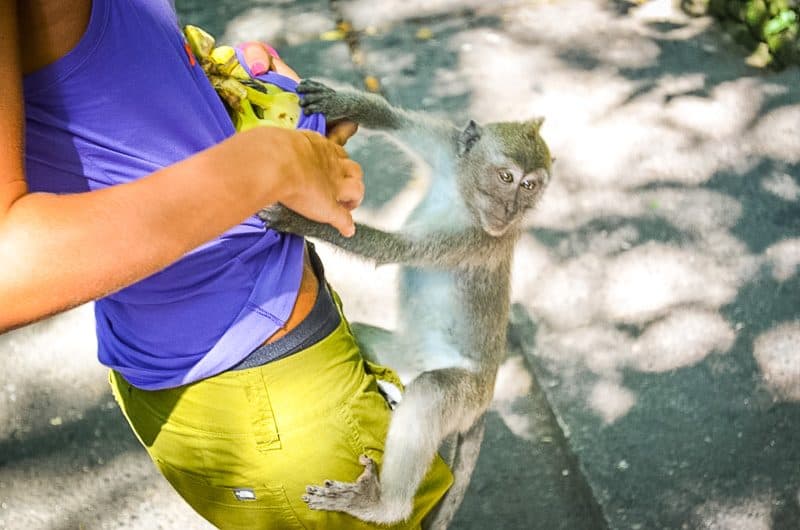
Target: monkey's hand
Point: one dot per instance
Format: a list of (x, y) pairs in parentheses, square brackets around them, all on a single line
[(370, 110), (361, 498), (282, 219), (317, 97)]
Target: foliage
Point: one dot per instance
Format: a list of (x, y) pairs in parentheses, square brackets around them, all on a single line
[(770, 28)]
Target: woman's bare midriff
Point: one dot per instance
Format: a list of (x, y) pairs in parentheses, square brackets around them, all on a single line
[(305, 301)]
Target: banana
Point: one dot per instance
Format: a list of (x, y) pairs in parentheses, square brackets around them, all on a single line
[(278, 106), (230, 90), (250, 102), (245, 117), (227, 64), (199, 41)]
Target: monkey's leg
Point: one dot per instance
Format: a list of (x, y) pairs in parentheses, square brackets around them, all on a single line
[(374, 342), (435, 404), (384, 347), (468, 446)]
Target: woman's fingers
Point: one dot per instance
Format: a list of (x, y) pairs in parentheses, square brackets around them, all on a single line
[(351, 191), (353, 169), (320, 142), (261, 59), (341, 131), (284, 69), (328, 183), (258, 59)]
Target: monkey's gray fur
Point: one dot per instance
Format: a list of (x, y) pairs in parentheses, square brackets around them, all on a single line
[(457, 247)]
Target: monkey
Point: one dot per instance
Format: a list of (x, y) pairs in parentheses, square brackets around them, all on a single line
[(456, 248)]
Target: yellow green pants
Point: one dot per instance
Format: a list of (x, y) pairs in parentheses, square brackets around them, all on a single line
[(242, 446)]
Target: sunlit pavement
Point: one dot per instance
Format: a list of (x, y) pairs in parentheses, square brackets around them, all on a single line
[(653, 379)]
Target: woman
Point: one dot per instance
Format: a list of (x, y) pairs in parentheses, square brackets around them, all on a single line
[(122, 181)]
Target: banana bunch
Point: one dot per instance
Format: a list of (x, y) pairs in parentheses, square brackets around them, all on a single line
[(250, 102)]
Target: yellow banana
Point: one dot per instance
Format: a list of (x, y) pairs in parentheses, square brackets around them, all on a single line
[(199, 41), (224, 57), (250, 102), (256, 88), (263, 99), (245, 117), (230, 90)]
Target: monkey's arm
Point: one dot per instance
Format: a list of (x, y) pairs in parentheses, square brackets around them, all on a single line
[(438, 249), (435, 140)]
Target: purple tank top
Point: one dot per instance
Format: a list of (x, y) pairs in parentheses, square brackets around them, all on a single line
[(126, 101)]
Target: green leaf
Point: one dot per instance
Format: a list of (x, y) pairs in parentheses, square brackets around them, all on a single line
[(779, 23)]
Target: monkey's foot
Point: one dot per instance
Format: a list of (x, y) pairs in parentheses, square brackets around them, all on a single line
[(361, 498)]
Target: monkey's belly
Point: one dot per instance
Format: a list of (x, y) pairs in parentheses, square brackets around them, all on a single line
[(431, 319)]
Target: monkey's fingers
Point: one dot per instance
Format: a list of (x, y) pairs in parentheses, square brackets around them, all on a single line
[(319, 103), (273, 215), (368, 479), (333, 488), (315, 97), (312, 99), (309, 86), (335, 496)]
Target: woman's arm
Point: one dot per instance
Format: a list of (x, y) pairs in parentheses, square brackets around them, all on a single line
[(58, 251)]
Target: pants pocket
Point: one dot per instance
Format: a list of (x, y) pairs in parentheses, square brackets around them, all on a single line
[(235, 507), (368, 414)]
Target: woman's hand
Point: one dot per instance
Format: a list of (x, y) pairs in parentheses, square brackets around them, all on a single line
[(321, 183)]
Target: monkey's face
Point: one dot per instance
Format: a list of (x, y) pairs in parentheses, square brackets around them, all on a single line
[(510, 169), (505, 194)]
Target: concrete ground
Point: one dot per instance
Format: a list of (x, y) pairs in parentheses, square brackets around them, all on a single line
[(653, 379)]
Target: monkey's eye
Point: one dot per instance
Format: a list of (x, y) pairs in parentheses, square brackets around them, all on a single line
[(528, 184), (506, 176)]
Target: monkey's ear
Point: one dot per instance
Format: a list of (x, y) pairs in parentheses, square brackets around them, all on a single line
[(536, 124), (471, 134)]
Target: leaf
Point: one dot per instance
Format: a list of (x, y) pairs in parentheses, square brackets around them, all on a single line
[(332, 35), (372, 84), (779, 23), (424, 33)]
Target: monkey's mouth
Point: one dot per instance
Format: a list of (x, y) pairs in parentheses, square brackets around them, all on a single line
[(496, 232), (493, 226)]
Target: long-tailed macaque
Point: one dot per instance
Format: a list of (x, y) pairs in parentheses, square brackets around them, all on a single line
[(457, 247)]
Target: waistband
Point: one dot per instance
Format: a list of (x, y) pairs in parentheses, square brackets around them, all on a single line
[(320, 322)]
